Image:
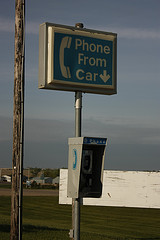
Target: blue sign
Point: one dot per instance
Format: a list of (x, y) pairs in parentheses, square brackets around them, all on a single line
[(96, 141), (74, 59), (83, 60)]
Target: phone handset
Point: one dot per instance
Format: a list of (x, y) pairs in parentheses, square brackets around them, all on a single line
[(75, 159), (65, 43)]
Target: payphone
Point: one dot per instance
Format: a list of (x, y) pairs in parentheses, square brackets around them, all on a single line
[(85, 166)]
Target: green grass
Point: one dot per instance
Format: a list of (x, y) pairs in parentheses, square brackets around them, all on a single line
[(45, 219), (5, 185), (36, 186)]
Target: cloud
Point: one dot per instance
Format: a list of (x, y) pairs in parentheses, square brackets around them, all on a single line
[(8, 26), (123, 131), (132, 33), (32, 27), (5, 129), (130, 146), (116, 130), (137, 33), (39, 130)]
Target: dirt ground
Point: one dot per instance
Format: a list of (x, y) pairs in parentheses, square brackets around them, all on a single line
[(31, 192)]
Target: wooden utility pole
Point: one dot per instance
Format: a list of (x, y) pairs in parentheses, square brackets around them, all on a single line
[(18, 124)]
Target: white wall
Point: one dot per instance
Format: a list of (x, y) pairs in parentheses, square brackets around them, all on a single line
[(121, 188)]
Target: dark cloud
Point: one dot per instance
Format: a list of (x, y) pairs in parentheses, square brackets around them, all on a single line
[(130, 146)]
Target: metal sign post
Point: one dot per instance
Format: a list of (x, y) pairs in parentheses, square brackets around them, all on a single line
[(76, 202)]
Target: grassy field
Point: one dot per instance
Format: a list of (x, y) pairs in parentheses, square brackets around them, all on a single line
[(45, 219)]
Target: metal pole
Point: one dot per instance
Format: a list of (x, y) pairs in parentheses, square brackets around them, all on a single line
[(78, 113), (76, 201)]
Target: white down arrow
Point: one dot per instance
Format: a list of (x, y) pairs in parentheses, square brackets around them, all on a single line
[(104, 76)]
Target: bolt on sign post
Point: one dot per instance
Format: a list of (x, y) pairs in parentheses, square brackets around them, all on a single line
[(18, 124), (78, 60)]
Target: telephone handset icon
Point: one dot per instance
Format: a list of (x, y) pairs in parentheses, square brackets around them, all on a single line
[(65, 43)]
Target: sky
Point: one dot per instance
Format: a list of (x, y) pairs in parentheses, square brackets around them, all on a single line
[(130, 119)]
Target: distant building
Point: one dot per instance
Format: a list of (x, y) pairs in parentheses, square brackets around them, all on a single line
[(5, 171), (55, 180), (40, 180), (48, 180), (6, 178), (45, 180)]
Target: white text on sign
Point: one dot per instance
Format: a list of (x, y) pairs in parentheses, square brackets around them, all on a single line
[(82, 45), (91, 47)]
